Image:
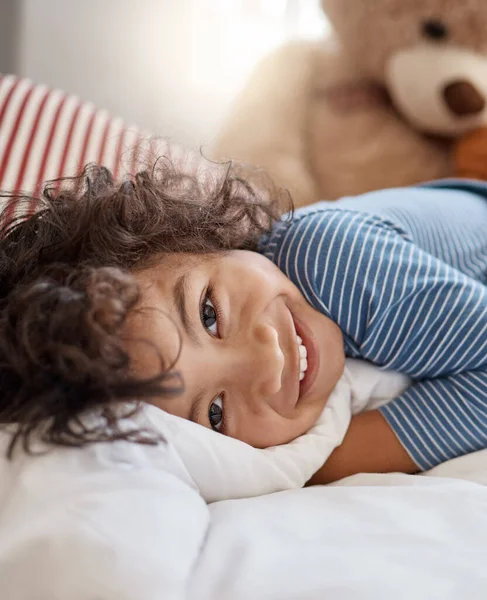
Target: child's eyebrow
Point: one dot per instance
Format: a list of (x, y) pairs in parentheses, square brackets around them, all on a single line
[(179, 297)]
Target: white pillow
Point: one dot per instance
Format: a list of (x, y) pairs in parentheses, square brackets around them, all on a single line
[(225, 468)]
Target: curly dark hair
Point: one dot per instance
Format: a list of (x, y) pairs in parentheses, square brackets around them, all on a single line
[(67, 287)]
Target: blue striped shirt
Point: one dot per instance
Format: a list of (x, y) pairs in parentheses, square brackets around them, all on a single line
[(402, 272)]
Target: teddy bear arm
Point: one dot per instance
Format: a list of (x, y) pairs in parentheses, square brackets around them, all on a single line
[(267, 123)]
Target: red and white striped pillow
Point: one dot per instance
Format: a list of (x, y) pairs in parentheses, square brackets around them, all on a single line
[(46, 134)]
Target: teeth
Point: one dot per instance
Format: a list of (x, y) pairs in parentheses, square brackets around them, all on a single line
[(303, 353)]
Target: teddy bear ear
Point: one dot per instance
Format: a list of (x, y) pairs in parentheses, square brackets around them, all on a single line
[(470, 155)]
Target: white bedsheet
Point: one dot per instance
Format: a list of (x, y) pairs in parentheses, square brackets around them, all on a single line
[(120, 522)]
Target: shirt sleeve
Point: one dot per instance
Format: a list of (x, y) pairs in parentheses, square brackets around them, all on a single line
[(400, 308)]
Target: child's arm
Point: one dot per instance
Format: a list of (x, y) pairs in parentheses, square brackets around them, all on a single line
[(370, 446), (401, 308)]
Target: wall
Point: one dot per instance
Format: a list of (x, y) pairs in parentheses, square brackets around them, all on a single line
[(9, 22), (171, 66)]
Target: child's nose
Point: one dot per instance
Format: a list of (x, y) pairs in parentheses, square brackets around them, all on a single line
[(260, 364)]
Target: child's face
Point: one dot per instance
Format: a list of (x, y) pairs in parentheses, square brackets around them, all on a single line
[(238, 318)]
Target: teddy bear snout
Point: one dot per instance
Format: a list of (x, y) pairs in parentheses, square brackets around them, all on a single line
[(463, 98), (440, 88)]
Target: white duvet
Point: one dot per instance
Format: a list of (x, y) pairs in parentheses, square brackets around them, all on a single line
[(120, 521)]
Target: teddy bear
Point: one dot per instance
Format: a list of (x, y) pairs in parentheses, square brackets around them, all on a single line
[(380, 103)]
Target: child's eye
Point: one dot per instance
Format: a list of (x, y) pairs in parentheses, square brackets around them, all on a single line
[(209, 316), (215, 413)]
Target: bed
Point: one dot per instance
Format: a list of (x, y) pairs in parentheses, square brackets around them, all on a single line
[(89, 524), (128, 522)]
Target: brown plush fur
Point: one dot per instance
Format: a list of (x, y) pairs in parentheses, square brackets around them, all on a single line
[(313, 113), (371, 30), (471, 155)]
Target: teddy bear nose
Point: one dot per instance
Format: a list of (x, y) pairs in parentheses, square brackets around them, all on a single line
[(463, 98)]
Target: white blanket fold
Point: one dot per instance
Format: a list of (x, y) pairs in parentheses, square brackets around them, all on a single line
[(224, 468)]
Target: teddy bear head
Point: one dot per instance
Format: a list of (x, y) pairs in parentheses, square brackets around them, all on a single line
[(430, 54)]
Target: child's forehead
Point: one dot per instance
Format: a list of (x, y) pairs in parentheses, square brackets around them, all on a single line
[(167, 269), (178, 263)]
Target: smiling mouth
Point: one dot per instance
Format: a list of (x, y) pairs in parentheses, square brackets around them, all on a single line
[(307, 374)]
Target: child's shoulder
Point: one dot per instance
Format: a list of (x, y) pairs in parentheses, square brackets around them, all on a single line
[(314, 228), (412, 212)]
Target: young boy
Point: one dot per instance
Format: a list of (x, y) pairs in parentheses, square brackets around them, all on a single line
[(185, 289)]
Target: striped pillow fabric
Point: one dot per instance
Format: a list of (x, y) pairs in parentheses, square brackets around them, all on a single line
[(46, 133)]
